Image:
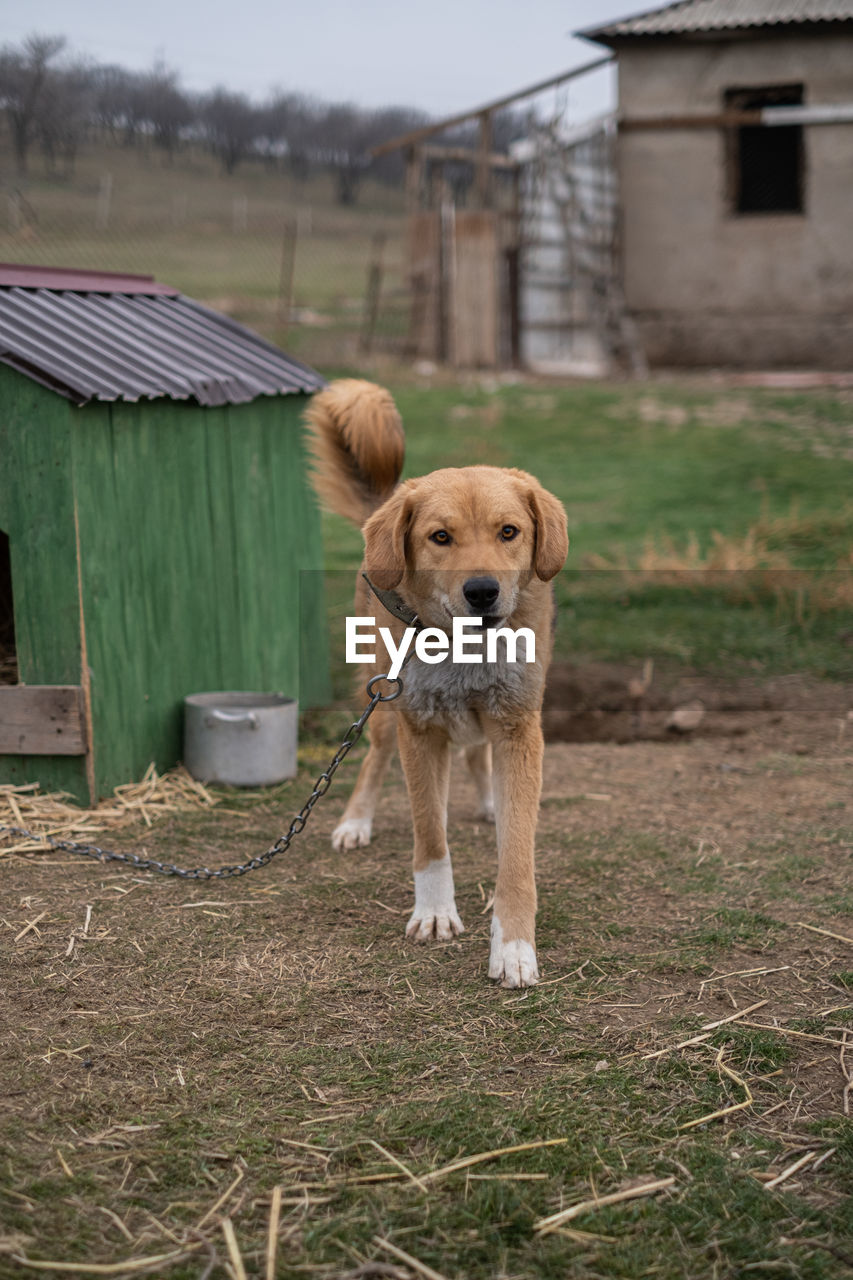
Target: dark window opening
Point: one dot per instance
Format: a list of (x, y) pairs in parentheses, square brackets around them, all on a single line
[(8, 653), (766, 163)]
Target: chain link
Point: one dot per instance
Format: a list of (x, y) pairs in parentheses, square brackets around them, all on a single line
[(321, 786)]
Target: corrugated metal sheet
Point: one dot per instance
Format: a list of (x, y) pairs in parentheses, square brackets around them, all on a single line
[(697, 16), (138, 344)]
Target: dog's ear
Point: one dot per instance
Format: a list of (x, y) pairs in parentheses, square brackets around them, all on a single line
[(385, 540), (552, 538)]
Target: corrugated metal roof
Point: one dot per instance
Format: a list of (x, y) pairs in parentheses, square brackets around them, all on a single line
[(699, 16), (90, 336)]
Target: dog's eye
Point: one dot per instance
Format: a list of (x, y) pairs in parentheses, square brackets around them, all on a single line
[(441, 537), (508, 532)]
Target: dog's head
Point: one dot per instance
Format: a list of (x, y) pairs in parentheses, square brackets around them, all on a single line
[(466, 542)]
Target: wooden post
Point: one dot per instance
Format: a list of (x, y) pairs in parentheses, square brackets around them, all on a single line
[(483, 177), (447, 284), (374, 292), (414, 177), (105, 197), (513, 263), (287, 271)]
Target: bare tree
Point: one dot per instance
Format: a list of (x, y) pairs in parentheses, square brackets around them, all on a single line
[(65, 111), (163, 106), (113, 91), (231, 125), (24, 76), (54, 104)]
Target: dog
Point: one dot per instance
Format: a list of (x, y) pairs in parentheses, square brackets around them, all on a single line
[(480, 543)]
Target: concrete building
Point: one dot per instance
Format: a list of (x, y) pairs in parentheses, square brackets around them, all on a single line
[(735, 167)]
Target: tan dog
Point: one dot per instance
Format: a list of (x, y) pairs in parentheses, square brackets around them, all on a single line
[(473, 542)]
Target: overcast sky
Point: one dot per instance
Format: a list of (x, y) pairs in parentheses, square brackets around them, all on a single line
[(442, 56)]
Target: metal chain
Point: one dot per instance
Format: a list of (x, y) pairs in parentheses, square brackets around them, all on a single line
[(321, 786)]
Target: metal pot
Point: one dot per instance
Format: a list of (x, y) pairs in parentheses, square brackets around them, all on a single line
[(241, 739)]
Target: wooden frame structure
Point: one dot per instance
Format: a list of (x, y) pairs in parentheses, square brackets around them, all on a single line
[(464, 260)]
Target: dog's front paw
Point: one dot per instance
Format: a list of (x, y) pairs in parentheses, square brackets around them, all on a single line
[(435, 914), (513, 963), (351, 834), (443, 923)]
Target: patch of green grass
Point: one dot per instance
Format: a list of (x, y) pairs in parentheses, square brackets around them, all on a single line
[(628, 479), (735, 926)]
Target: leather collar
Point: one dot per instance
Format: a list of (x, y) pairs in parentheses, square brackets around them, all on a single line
[(395, 604)]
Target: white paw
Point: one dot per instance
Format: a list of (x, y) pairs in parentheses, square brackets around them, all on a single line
[(512, 964), (443, 924), (435, 914), (351, 833)]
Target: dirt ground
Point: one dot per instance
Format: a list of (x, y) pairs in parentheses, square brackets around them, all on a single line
[(606, 702), (689, 880)]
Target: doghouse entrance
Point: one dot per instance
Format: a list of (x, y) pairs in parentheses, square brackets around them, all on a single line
[(35, 719), (8, 652)]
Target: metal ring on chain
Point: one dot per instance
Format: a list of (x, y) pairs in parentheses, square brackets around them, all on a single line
[(321, 786), (385, 697)]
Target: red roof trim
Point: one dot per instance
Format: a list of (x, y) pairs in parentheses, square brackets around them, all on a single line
[(74, 280)]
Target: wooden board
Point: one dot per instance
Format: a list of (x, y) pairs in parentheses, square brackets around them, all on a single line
[(425, 323), (42, 720), (474, 290)]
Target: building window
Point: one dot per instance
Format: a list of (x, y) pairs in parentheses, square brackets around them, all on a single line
[(766, 163)]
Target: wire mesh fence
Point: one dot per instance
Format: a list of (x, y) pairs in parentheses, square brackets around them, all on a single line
[(278, 253)]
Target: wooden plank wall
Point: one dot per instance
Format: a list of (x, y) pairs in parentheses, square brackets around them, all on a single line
[(455, 258), (425, 265), (473, 290), (195, 524)]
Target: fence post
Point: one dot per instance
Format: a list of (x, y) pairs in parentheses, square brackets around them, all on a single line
[(105, 198), (287, 270), (374, 292)]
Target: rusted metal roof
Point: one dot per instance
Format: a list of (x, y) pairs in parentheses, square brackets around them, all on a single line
[(697, 17), (99, 336), (81, 281)]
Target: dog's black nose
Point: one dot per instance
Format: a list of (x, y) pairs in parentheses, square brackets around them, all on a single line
[(481, 594)]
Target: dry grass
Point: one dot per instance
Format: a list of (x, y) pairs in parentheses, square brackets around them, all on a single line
[(761, 548), (154, 797), (756, 565)]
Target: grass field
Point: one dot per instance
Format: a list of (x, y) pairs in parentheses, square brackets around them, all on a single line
[(708, 528), (183, 1066)]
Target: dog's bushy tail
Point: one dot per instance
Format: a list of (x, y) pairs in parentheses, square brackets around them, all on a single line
[(356, 441)]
